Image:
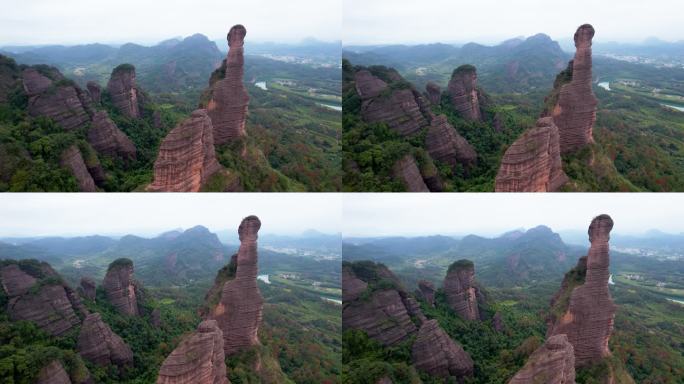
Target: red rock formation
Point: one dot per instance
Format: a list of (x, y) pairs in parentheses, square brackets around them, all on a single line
[(108, 139), (460, 290), (73, 161), (50, 309), (465, 97), (88, 288), (198, 359), (400, 109), (95, 91), (123, 91), (34, 82), (353, 286), (53, 373), (585, 312), (228, 105), (552, 363), (98, 344), (436, 353), (533, 163), (406, 170), (120, 287), (239, 310), (14, 281), (433, 93), (575, 110), (427, 290), (62, 102), (443, 143), (187, 158)]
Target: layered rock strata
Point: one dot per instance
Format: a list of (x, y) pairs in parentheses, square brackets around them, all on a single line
[(187, 158), (399, 109), (198, 359), (239, 310), (228, 105), (121, 288), (72, 159), (53, 373), (465, 97), (552, 363), (575, 110), (460, 290), (88, 288), (427, 290), (124, 92), (436, 353), (443, 143), (587, 316), (61, 101), (406, 170), (533, 162), (433, 93), (98, 344), (108, 139), (95, 91)]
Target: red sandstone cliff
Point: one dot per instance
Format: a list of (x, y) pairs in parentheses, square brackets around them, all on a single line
[(465, 97), (98, 344), (443, 143), (106, 138), (460, 290), (406, 170), (124, 92), (436, 353), (552, 363), (120, 287)]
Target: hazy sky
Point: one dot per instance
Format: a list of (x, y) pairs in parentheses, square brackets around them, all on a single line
[(489, 21), (51, 214), (488, 214), (30, 22)]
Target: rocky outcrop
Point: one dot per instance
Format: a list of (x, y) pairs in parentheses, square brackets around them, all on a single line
[(98, 344), (59, 100), (400, 109), (198, 359), (121, 288), (73, 160), (574, 110), (124, 92), (552, 363), (228, 105), (406, 170), (583, 309), (436, 353), (95, 91), (460, 290), (88, 288), (239, 310), (53, 373), (14, 281), (433, 93), (465, 97), (187, 158), (427, 290), (108, 139), (533, 162), (443, 143)]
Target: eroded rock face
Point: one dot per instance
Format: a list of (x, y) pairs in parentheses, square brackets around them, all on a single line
[(460, 290), (98, 344), (15, 282), (88, 287), (588, 317), (53, 373), (433, 93), (64, 103), (436, 353), (465, 97), (197, 359), (73, 160), (124, 92), (108, 139), (406, 170), (50, 309), (443, 143), (34, 82), (533, 162), (95, 91), (427, 290), (228, 105), (575, 110), (187, 158), (239, 310), (120, 287), (399, 109), (552, 363)]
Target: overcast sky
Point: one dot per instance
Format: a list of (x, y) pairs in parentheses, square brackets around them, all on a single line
[(398, 214), (52, 214), (490, 21), (32, 22)]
